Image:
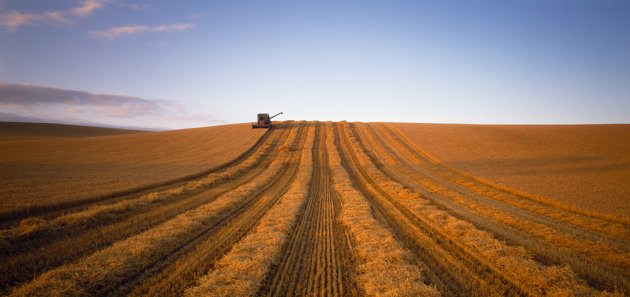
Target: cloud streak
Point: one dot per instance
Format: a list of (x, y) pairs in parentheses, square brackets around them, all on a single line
[(29, 96), (13, 20), (87, 7), (22, 101), (128, 30)]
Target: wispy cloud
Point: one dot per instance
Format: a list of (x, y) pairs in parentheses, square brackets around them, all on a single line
[(13, 20), (87, 7), (48, 104), (122, 31)]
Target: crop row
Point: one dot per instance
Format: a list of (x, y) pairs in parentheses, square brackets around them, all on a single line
[(598, 257), (124, 266), (458, 258)]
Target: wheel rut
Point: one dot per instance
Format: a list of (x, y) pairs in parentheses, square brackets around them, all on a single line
[(454, 235), (448, 264), (62, 243), (499, 218), (317, 260), (180, 268)]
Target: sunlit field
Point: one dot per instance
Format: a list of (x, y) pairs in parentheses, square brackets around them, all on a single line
[(305, 208), (314, 148)]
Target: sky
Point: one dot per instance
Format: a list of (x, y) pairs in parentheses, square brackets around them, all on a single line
[(178, 64)]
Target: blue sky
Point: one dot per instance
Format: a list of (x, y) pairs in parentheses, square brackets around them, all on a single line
[(176, 64)]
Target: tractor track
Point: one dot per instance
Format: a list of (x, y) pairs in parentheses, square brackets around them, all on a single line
[(122, 267), (462, 236), (44, 251), (588, 227), (26, 242), (448, 264), (600, 274), (405, 170), (317, 259), (179, 268), (8, 219)]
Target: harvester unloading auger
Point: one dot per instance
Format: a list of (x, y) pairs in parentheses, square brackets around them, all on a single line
[(264, 121)]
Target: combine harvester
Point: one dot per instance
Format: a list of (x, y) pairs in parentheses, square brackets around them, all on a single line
[(264, 121)]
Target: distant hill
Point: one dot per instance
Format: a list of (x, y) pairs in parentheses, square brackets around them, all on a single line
[(20, 130)]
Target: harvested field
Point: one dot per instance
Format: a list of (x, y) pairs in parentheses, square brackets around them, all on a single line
[(318, 209), (69, 170), (587, 166)]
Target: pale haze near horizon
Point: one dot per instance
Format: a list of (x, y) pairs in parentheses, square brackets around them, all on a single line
[(219, 62)]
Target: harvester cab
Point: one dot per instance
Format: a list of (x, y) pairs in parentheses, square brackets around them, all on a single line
[(264, 120)]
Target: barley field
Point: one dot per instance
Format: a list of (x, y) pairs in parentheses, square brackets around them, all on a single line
[(304, 209)]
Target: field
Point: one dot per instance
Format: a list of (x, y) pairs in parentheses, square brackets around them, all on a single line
[(584, 164), (308, 208), (14, 131), (88, 164)]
